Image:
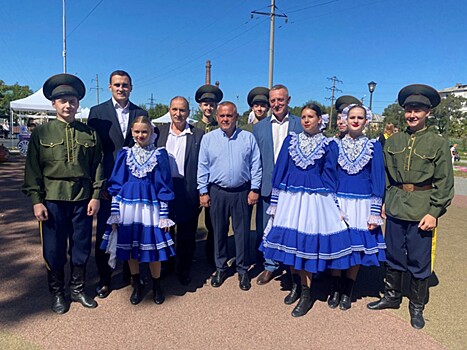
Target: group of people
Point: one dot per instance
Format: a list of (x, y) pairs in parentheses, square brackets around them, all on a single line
[(320, 201)]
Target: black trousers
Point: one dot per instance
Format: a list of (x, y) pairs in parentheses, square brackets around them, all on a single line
[(184, 211), (409, 248), (209, 247), (102, 259), (186, 243), (226, 204), (68, 226)]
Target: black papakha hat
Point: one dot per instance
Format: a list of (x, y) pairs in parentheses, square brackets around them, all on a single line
[(63, 84), (208, 93), (419, 95), (344, 101), (258, 94)]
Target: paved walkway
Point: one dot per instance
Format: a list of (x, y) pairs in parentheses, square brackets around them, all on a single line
[(202, 317)]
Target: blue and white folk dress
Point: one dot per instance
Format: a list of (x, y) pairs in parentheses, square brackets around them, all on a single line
[(361, 186), (141, 186), (306, 230)]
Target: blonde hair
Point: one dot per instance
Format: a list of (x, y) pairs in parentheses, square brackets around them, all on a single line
[(142, 119)]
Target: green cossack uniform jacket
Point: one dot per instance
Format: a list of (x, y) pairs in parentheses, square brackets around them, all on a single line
[(64, 163), (422, 159)]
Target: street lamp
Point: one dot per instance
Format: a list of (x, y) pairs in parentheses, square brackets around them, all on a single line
[(371, 88)]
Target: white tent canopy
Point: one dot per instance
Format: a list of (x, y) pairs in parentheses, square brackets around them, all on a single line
[(166, 119), (34, 103), (39, 104)]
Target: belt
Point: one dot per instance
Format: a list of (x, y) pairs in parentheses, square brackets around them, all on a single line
[(412, 187), (244, 187)]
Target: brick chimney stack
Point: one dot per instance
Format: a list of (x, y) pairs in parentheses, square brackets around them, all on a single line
[(208, 72)]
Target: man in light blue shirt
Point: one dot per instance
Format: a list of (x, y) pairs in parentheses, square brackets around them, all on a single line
[(229, 179)]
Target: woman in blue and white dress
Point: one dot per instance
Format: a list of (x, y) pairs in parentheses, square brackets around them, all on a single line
[(306, 231), (360, 193), (141, 186)]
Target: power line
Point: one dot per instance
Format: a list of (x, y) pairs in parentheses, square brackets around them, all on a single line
[(312, 6), (85, 18), (333, 91), (97, 88), (149, 80)]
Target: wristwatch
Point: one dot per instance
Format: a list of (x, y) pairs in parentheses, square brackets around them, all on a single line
[(255, 190)]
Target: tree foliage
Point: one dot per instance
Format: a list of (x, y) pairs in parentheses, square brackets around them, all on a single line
[(10, 93), (394, 114), (448, 118), (157, 111)]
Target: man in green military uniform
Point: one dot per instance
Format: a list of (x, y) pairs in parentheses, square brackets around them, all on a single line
[(258, 100), (420, 188), (208, 96), (63, 177)]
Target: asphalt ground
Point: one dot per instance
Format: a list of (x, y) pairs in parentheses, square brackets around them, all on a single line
[(201, 317)]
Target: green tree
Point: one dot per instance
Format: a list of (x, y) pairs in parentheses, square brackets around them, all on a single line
[(394, 114), (448, 118), (157, 111), (10, 93)]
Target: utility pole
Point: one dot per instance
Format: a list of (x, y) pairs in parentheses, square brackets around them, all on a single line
[(333, 92), (97, 87), (272, 14), (151, 101), (64, 35)]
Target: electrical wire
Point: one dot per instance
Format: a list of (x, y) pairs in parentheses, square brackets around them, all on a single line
[(85, 18)]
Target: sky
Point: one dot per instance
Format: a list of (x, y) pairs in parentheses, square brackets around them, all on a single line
[(164, 46)]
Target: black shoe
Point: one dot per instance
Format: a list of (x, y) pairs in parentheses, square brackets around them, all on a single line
[(296, 291), (84, 300), (345, 303), (334, 300), (305, 303), (59, 304), (418, 295), (346, 297), (218, 278), (245, 283), (392, 292), (137, 294), (416, 318), (102, 292), (158, 293), (384, 303)]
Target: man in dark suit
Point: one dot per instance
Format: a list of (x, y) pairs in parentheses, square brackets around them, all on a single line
[(182, 142), (270, 134), (112, 121)]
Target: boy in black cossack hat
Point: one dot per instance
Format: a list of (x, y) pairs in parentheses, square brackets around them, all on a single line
[(420, 187), (63, 178)]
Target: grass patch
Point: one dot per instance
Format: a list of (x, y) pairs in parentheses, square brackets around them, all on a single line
[(459, 173)]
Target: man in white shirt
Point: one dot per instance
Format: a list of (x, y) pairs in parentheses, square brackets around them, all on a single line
[(270, 134), (112, 120), (182, 142)]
